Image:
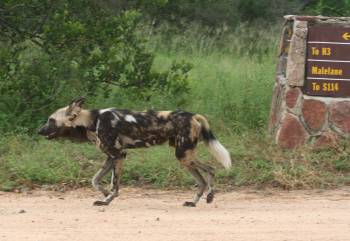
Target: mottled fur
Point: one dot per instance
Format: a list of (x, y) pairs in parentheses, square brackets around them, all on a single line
[(114, 131)]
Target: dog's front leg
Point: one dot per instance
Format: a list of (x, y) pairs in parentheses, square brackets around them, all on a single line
[(115, 180), (116, 164), (107, 166)]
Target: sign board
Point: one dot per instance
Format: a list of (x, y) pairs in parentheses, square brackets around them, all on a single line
[(328, 61)]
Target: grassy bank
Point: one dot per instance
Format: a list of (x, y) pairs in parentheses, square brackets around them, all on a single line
[(25, 162), (231, 83)]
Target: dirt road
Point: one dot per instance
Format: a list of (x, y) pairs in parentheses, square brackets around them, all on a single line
[(151, 215)]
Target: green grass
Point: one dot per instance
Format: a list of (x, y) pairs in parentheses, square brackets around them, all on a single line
[(29, 162), (234, 90), (231, 83)]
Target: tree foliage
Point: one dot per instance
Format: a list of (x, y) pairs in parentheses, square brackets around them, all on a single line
[(52, 50), (329, 7), (212, 12)]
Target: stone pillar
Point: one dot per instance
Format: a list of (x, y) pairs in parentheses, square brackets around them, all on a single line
[(298, 118)]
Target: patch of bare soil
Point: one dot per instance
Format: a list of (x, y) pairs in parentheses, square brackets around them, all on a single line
[(152, 215)]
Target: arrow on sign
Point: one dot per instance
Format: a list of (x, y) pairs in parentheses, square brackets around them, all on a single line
[(346, 36)]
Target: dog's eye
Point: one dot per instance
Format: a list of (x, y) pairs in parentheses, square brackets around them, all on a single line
[(52, 121)]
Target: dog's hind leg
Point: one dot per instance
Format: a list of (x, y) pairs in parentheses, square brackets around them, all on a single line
[(210, 178), (201, 186), (187, 159), (107, 166)]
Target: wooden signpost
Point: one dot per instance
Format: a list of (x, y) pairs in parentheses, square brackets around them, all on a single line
[(328, 61)]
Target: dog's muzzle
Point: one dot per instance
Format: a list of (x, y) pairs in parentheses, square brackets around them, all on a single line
[(48, 132)]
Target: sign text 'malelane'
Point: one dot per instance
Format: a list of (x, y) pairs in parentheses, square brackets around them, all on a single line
[(328, 61)]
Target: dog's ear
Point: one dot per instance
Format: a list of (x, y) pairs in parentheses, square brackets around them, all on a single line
[(79, 101), (74, 108)]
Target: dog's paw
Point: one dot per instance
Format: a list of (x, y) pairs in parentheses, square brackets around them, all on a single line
[(100, 203), (189, 204), (210, 197), (105, 193)]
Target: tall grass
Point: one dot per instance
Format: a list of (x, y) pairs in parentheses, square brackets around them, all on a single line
[(231, 79), (232, 74), (230, 89)]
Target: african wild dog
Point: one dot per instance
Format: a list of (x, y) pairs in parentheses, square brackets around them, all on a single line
[(115, 130)]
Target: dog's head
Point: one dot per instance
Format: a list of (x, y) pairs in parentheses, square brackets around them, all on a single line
[(62, 121)]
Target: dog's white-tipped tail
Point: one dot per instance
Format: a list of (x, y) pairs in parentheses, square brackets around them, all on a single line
[(216, 149), (220, 153)]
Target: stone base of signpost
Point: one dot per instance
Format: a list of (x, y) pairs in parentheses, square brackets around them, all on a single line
[(297, 118)]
